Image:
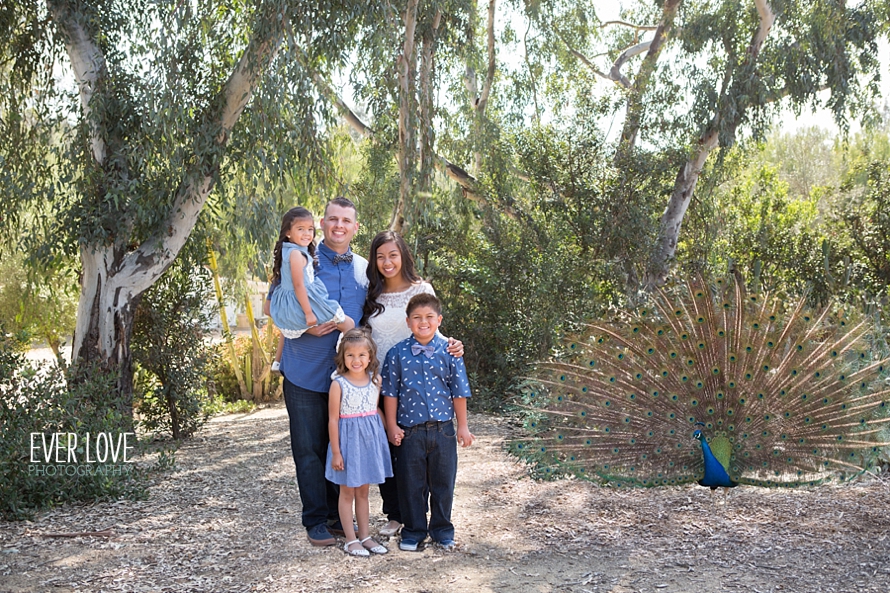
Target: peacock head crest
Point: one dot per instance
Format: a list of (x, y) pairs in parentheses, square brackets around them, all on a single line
[(697, 435)]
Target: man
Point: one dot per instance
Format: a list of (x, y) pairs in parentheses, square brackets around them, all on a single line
[(307, 363)]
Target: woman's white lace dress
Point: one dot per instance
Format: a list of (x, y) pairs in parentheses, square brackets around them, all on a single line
[(389, 327)]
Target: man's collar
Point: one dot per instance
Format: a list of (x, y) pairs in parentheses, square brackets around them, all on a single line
[(330, 253)]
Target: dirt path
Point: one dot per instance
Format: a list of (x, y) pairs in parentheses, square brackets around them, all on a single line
[(229, 520)]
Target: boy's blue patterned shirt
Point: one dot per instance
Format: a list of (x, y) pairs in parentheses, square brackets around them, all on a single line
[(425, 386)]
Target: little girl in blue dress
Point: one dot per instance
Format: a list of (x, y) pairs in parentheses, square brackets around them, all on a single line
[(300, 300), (358, 453)]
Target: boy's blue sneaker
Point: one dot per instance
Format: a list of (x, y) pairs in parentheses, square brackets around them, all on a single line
[(448, 545), (409, 545)]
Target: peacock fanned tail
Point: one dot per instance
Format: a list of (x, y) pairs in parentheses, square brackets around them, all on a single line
[(782, 395)]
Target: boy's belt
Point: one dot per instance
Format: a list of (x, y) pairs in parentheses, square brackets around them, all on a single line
[(428, 424)]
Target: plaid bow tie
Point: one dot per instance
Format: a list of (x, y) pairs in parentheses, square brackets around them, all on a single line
[(427, 350), (345, 257)]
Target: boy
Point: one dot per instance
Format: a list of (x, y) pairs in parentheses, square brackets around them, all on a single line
[(425, 389)]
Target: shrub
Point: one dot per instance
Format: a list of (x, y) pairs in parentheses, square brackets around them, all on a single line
[(38, 401), (170, 385)]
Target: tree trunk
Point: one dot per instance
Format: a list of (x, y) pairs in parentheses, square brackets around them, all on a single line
[(427, 136), (105, 321), (115, 275), (407, 142), (479, 101), (684, 186)]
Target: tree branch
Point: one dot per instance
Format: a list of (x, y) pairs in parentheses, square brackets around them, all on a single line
[(634, 50), (584, 59), (143, 266), (88, 63), (687, 177), (630, 25), (635, 98)]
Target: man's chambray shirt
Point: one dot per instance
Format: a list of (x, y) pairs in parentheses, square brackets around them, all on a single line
[(424, 386), (308, 361)]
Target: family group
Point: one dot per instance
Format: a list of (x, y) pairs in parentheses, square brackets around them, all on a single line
[(353, 330)]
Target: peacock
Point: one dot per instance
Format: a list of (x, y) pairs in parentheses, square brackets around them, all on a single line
[(714, 385)]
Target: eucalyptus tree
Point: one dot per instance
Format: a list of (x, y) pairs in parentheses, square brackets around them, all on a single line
[(126, 116), (688, 77)]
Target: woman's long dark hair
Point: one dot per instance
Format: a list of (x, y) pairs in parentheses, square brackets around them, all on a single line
[(297, 213), (376, 280)]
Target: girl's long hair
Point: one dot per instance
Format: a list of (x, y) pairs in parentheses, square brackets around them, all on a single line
[(355, 336), (297, 213), (375, 278)]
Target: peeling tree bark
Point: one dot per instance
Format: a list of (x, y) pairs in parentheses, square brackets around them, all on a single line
[(407, 142), (113, 275), (687, 177), (427, 135), (482, 101)]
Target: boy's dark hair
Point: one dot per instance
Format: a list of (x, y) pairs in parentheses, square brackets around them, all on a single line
[(424, 299)]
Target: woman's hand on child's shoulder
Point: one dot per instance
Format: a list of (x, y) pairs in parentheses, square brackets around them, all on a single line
[(455, 347)]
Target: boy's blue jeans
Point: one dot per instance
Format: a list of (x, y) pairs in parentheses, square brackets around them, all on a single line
[(427, 458)]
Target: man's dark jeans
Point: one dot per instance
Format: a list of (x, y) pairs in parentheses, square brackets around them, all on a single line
[(308, 414), (427, 458)]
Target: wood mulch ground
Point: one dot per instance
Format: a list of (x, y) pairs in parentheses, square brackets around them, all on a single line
[(228, 519)]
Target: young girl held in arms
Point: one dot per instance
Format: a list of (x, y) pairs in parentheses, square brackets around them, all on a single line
[(358, 453), (301, 300)]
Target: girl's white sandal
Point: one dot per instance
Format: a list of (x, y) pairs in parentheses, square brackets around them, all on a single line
[(376, 548), (360, 552)]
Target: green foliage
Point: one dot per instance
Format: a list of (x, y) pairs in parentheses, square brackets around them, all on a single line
[(217, 405), (865, 216), (47, 400), (42, 308), (773, 239), (169, 347)]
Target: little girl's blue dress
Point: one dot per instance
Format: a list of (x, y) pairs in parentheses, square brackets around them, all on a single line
[(363, 443), (284, 307)]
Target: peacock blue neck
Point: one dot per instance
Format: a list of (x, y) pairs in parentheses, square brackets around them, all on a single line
[(715, 472)]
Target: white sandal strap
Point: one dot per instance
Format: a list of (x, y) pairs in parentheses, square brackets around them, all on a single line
[(362, 552), (377, 549)]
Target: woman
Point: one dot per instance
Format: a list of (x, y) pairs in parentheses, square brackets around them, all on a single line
[(392, 281)]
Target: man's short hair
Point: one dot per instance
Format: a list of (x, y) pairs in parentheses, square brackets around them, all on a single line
[(342, 202), (424, 299)]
